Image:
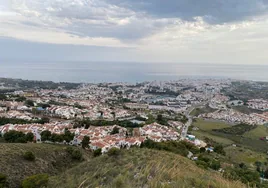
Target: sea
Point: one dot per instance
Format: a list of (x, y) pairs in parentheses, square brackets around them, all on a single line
[(132, 72)]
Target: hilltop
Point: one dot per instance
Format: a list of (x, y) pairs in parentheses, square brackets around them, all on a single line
[(50, 159), (140, 168)]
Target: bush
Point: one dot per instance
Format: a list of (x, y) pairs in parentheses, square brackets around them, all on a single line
[(85, 142), (246, 176), (29, 137), (115, 130), (69, 150), (15, 137), (46, 135), (171, 146), (76, 154), (35, 181), (28, 155), (202, 164), (215, 165), (202, 150), (113, 152), (191, 147), (3, 181), (97, 152), (29, 103), (219, 149)]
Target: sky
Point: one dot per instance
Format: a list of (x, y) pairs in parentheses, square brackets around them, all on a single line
[(188, 31)]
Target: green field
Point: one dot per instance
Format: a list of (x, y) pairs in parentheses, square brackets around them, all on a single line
[(205, 130), (209, 125), (260, 131), (197, 111), (202, 135), (243, 155), (250, 139)]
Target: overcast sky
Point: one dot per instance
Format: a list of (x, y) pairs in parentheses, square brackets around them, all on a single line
[(201, 31)]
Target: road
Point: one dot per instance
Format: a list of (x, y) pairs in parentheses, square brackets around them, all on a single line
[(190, 119)]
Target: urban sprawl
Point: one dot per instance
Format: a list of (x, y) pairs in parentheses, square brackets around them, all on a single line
[(125, 115)]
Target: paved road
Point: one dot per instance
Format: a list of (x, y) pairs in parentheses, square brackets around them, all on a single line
[(190, 119)]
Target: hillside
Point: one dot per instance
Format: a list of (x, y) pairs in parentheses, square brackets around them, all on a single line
[(50, 159), (140, 168)]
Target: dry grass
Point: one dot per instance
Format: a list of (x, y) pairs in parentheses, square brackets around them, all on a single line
[(243, 155), (140, 168), (51, 159)]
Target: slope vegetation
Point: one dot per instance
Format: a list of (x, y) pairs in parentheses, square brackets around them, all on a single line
[(140, 168), (50, 159)]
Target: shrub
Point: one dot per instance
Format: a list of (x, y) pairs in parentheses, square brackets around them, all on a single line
[(85, 142), (219, 149), (28, 155), (171, 146), (35, 181), (29, 103), (3, 181), (115, 130), (69, 150), (202, 150), (202, 164), (46, 135), (97, 152), (191, 147), (29, 137), (76, 154), (215, 165), (14, 137), (113, 152), (244, 175)]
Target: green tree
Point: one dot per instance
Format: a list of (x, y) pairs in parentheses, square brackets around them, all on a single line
[(46, 135), (115, 130), (202, 150), (29, 103), (14, 137), (29, 137), (243, 165), (20, 99), (35, 181), (215, 165), (244, 175), (43, 120), (159, 118), (3, 97), (219, 149), (68, 136), (56, 137), (85, 142)]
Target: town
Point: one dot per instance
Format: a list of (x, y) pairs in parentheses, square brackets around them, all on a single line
[(123, 115)]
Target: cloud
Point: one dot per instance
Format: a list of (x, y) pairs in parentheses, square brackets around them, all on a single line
[(154, 30), (128, 20), (216, 11)]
